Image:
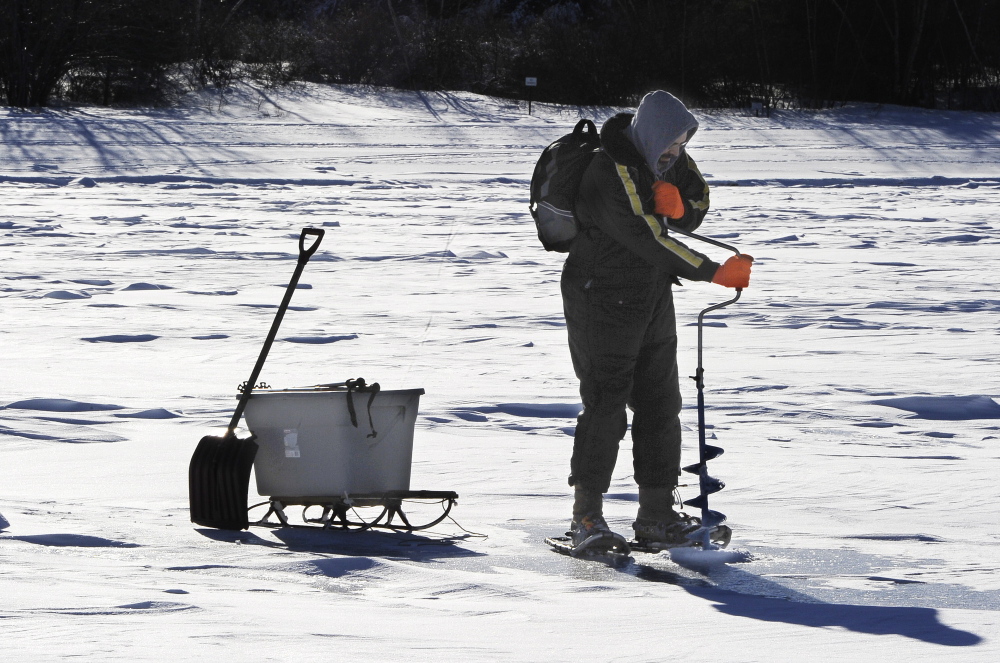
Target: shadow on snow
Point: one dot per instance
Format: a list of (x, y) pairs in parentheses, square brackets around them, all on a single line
[(389, 545), (911, 622)]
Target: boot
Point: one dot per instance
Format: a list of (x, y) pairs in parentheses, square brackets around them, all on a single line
[(656, 503), (587, 526), (588, 516), (657, 523), (587, 502)]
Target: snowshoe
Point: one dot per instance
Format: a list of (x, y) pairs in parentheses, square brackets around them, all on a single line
[(611, 548), (591, 537), (686, 531)]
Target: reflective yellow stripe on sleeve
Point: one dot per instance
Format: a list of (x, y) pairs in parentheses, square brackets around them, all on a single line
[(677, 249)]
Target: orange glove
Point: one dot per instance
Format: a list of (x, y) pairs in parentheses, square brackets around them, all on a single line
[(735, 273), (667, 200)]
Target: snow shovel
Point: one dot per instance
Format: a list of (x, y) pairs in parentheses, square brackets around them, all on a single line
[(219, 473)]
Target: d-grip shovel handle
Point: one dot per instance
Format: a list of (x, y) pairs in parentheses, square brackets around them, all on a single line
[(304, 254)]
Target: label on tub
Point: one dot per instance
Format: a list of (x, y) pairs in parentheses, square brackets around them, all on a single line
[(292, 443)]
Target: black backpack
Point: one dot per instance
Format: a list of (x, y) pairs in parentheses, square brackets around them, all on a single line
[(555, 183)]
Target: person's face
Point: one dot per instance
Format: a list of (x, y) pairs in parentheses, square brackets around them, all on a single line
[(672, 152)]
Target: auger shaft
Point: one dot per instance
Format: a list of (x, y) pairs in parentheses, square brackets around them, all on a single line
[(706, 452)]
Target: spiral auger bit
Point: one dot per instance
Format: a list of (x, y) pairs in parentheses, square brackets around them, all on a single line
[(712, 534)]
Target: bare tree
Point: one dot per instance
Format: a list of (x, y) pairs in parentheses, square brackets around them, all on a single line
[(904, 35), (38, 41)]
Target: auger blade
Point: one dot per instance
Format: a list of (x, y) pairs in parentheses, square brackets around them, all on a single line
[(713, 452), (698, 534), (710, 453), (711, 485), (718, 536), (712, 518), (700, 502)]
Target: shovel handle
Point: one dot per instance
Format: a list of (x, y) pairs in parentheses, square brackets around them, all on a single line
[(304, 254)]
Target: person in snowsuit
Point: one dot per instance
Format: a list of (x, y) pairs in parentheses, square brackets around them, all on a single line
[(616, 287)]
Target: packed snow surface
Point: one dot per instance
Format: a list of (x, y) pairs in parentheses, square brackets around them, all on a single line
[(145, 253)]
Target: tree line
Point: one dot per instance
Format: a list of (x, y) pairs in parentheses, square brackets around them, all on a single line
[(711, 53)]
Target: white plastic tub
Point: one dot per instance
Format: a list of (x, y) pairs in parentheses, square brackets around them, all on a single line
[(308, 447)]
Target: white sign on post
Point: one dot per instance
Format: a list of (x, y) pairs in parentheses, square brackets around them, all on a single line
[(531, 81)]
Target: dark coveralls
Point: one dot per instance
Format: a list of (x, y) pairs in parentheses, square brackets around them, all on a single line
[(616, 288)]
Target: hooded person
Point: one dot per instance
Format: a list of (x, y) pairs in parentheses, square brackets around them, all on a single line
[(617, 299)]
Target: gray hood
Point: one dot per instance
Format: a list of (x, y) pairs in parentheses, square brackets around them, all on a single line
[(659, 121)]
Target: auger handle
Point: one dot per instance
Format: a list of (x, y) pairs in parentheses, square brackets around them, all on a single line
[(707, 240)]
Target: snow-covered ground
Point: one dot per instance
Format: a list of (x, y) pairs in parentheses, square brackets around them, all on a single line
[(143, 254)]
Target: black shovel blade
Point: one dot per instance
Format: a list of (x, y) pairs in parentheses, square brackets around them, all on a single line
[(218, 481)]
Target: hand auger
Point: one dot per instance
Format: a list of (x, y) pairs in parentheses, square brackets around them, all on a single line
[(708, 484)]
